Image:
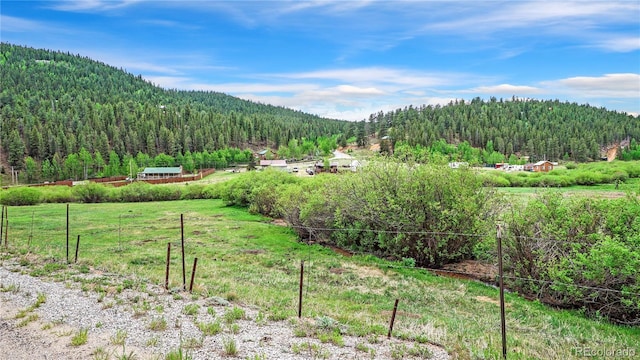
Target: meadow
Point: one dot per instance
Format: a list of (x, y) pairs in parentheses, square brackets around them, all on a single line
[(250, 260)]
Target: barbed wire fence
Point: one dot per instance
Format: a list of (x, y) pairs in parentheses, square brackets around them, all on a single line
[(127, 221)]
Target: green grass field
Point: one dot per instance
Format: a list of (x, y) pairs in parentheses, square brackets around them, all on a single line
[(251, 261), (600, 190)]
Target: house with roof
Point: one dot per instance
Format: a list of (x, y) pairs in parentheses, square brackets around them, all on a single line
[(152, 173), (266, 154), (276, 164), (540, 166), (319, 167)]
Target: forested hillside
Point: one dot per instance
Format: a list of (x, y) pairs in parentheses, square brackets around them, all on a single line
[(67, 116), (54, 104), (541, 129)]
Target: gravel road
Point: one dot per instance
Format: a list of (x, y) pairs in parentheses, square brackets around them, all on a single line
[(120, 323)]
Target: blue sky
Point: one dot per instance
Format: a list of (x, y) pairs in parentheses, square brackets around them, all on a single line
[(347, 59)]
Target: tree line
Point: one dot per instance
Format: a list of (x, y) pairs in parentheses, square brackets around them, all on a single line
[(55, 104), (540, 129)]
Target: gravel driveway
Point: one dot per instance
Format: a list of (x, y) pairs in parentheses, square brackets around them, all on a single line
[(122, 323)]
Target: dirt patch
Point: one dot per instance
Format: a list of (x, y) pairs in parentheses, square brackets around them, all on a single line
[(487, 300), (364, 272), (337, 271), (279, 222), (340, 251), (612, 153), (490, 300), (470, 270)]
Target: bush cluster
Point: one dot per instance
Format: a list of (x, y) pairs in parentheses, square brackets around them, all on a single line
[(577, 252), (584, 174), (424, 213), (96, 193), (21, 196)]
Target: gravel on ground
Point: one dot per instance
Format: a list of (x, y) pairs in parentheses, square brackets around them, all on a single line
[(152, 323)]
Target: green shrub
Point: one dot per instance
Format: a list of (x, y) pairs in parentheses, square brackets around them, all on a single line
[(256, 190), (91, 193), (212, 191), (553, 181), (495, 179), (20, 196), (399, 211), (534, 181), (558, 172), (587, 178), (140, 191), (516, 180), (194, 191), (620, 176), (577, 252), (58, 194), (165, 192), (631, 168)]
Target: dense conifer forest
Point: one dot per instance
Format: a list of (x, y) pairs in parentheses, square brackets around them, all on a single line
[(67, 116), (55, 104), (540, 129)]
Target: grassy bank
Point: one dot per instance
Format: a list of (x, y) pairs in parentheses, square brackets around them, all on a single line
[(249, 260)]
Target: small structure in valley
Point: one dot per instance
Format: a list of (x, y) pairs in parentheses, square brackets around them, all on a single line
[(266, 154), (540, 166), (320, 167), (152, 173), (276, 164), (458, 164)]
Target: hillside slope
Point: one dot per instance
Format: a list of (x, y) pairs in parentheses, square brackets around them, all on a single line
[(57, 103), (538, 128)]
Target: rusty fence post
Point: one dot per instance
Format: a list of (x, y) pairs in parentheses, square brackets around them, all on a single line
[(77, 247), (193, 273), (300, 291), (393, 319), (166, 279), (2, 224)]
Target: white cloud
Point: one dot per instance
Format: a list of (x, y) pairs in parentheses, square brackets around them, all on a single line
[(234, 88), (358, 91), (379, 75), (169, 24), (505, 89), (619, 44), (496, 17), (587, 23), (15, 24), (92, 5), (608, 85), (333, 6)]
